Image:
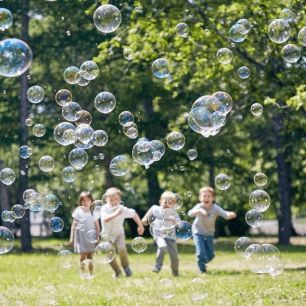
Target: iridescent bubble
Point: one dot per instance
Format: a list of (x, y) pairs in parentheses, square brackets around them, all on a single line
[(260, 179), (39, 130), (128, 54), (222, 181), (244, 72), (160, 68), (302, 36), (92, 236), (176, 141), (18, 211), (236, 33), (60, 133), (125, 117), (84, 133), (183, 230), (56, 224), (105, 102), (158, 149), (226, 102), (28, 122), (224, 56), (7, 176), (6, 19), (51, 202), (120, 165), (182, 29), (286, 14), (81, 78), (253, 218), (166, 289), (143, 153), (15, 57), (83, 117), (35, 94), (139, 245), (63, 96), (65, 259), (78, 158), (259, 200), (256, 258), (291, 53), (100, 138), (105, 252), (130, 129), (107, 18), (256, 109), (31, 196), (46, 163), (245, 26), (279, 31), (25, 152), (70, 75), (69, 174), (70, 110), (242, 244), (91, 69), (7, 216), (7, 240), (192, 154)]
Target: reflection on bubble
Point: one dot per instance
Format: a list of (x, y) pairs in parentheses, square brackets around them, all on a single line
[(182, 29), (35, 94), (6, 240), (105, 102), (56, 224), (63, 96), (183, 230), (70, 75), (51, 203), (222, 181), (160, 68), (259, 200), (139, 244), (69, 174), (6, 19), (100, 138), (91, 69), (224, 56), (120, 165), (7, 176), (176, 141), (253, 218), (70, 110), (18, 211), (46, 163), (25, 152), (78, 158), (256, 109), (279, 31), (244, 72), (291, 53)]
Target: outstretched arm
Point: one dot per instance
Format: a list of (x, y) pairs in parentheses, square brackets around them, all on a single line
[(137, 220), (192, 213)]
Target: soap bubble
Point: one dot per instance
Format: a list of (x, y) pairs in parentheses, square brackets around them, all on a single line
[(279, 31), (245, 26), (105, 102), (139, 244), (125, 117), (7, 176), (222, 181), (130, 129), (105, 252), (256, 109), (25, 152), (120, 165), (15, 57), (86, 267), (176, 141), (28, 122), (166, 288), (291, 53), (7, 216), (256, 258), (35, 94), (69, 174), (237, 33), (196, 290), (51, 202), (46, 163), (183, 230), (63, 96), (65, 259), (61, 135), (158, 149), (18, 211), (92, 236), (254, 218), (100, 138), (224, 56), (260, 179), (7, 240), (70, 75), (56, 224), (78, 158), (128, 54), (286, 14), (242, 244), (226, 102), (192, 154), (6, 19), (39, 130), (83, 117), (142, 152), (91, 69), (302, 36), (31, 196), (275, 266), (107, 18), (84, 133), (160, 68), (244, 72), (259, 200), (182, 29), (82, 81), (70, 110)]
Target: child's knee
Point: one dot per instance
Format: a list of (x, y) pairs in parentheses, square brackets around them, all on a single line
[(163, 249)]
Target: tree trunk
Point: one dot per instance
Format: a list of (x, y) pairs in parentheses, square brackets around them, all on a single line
[(4, 199), (26, 243), (211, 170)]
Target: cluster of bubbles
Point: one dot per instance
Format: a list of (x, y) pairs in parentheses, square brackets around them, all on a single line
[(239, 31), (129, 127), (17, 211), (208, 113), (261, 258)]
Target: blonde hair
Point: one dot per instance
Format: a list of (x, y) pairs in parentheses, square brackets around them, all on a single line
[(84, 194), (113, 190), (208, 189), (167, 195)]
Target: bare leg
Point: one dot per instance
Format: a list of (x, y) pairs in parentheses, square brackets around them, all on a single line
[(89, 256)]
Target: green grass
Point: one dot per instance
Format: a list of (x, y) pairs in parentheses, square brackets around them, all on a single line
[(24, 279)]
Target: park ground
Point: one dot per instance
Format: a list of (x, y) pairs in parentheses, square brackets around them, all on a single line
[(36, 279)]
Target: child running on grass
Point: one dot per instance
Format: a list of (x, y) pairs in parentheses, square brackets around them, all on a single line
[(163, 228), (112, 218), (203, 227)]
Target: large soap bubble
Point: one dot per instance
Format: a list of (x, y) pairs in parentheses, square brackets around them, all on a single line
[(35, 94), (56, 224), (91, 70), (18, 211), (107, 18), (84, 133), (6, 19), (62, 133), (63, 96), (226, 102), (51, 202), (70, 110), (260, 179), (78, 158), (242, 244), (7, 176), (160, 68), (224, 56), (125, 118), (15, 57), (222, 181), (105, 102), (46, 163), (120, 165), (71, 75), (291, 53), (176, 141), (259, 200), (279, 31), (254, 218), (237, 33), (25, 152), (6, 240), (100, 138), (39, 130)]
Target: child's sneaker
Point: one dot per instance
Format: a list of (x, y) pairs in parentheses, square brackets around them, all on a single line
[(155, 270), (175, 274), (128, 271)]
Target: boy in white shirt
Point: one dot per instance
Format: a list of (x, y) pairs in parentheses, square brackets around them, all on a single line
[(112, 218)]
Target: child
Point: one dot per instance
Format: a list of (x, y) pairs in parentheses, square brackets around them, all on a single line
[(83, 222), (203, 227), (165, 239), (112, 217)]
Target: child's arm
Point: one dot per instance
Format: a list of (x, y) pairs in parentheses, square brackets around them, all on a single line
[(192, 213), (228, 215), (72, 233), (109, 217), (97, 224), (147, 216), (137, 220)]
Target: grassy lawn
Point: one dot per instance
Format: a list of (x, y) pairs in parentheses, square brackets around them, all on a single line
[(35, 279)]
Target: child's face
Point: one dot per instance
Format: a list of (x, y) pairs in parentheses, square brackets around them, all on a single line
[(206, 198), (113, 199), (167, 202), (86, 202)]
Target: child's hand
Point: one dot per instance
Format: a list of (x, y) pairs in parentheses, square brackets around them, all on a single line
[(119, 210), (140, 230), (203, 212), (232, 215)]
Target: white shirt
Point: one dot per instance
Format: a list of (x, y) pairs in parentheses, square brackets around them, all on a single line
[(114, 227)]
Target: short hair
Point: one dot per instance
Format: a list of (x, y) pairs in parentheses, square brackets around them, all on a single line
[(85, 194), (168, 194), (208, 189), (113, 190)]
